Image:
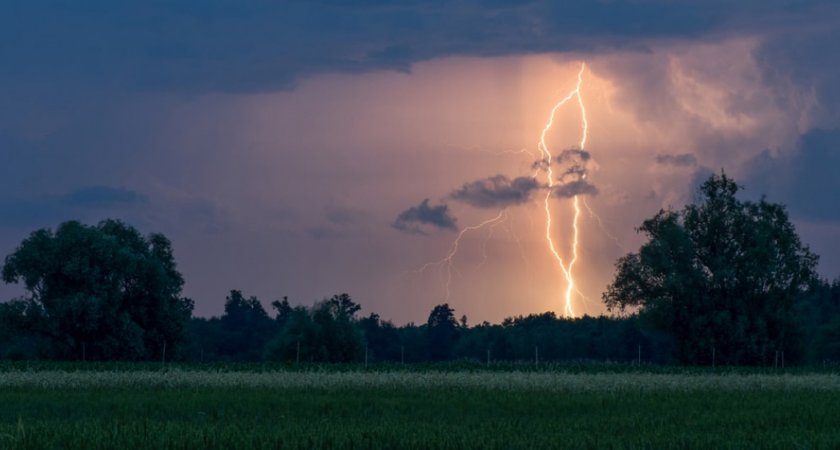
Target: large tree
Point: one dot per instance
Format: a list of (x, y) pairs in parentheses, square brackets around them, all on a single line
[(97, 292), (721, 276)]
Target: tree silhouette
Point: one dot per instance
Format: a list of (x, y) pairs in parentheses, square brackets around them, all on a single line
[(97, 292), (246, 327), (721, 276), (441, 332)]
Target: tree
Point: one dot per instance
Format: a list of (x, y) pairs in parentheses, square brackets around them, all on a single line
[(721, 276), (98, 292), (246, 327), (325, 333), (284, 310), (441, 332), (381, 337)]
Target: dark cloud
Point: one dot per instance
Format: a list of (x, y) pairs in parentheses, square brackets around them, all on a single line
[(230, 45), (412, 219), (573, 188), (573, 177), (800, 57), (576, 171), (679, 160), (540, 164), (805, 180), (573, 154), (497, 191)]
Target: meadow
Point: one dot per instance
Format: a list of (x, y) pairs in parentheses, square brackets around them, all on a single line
[(449, 406)]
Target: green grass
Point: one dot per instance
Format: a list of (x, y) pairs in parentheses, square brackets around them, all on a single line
[(421, 409)]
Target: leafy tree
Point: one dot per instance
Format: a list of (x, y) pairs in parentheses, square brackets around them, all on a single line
[(297, 339), (326, 333), (338, 339), (721, 276), (381, 337), (284, 310), (818, 312), (342, 305), (441, 332), (246, 327), (413, 343), (97, 292)]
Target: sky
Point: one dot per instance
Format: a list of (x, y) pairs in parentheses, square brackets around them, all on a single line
[(308, 148)]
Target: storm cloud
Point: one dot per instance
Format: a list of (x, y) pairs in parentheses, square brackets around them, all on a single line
[(573, 188), (805, 179), (497, 191), (252, 46), (413, 219), (573, 154), (235, 123)]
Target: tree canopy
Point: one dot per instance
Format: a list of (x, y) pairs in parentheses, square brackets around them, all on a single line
[(721, 276), (97, 292)]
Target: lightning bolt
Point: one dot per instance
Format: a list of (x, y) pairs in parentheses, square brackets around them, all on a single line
[(568, 309), (544, 165), (450, 257), (604, 228), (492, 228)]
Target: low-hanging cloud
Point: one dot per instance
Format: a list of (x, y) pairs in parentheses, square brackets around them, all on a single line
[(574, 164), (573, 188), (413, 219), (573, 154), (497, 191), (576, 170)]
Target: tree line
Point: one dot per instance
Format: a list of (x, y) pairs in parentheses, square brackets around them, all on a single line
[(721, 282)]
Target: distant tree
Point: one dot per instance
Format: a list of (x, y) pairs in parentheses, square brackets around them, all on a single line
[(283, 310), (441, 332), (97, 292), (325, 333), (338, 338), (720, 276), (413, 343), (818, 312), (342, 305), (381, 337), (297, 339), (246, 327)]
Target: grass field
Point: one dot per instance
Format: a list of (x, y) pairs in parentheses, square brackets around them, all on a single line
[(61, 406)]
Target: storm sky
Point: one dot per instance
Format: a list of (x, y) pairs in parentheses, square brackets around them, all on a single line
[(310, 148)]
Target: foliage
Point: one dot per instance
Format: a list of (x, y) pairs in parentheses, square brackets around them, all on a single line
[(441, 332), (721, 276), (325, 333), (246, 328), (97, 292)]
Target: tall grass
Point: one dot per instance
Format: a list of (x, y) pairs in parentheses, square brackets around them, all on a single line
[(331, 408)]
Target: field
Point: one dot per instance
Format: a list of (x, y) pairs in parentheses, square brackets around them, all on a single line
[(143, 406)]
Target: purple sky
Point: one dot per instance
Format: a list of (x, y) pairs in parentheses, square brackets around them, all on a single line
[(277, 144)]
